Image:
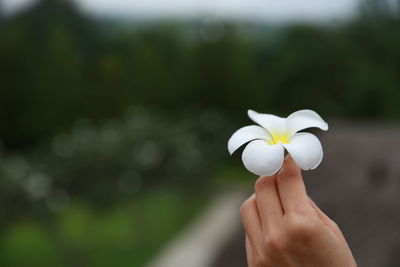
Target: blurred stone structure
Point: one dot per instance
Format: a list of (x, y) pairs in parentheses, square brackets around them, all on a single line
[(358, 186)]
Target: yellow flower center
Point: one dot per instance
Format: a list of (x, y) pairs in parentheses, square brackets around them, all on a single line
[(277, 137)]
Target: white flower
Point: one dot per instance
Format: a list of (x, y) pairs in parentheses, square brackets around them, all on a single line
[(264, 153)]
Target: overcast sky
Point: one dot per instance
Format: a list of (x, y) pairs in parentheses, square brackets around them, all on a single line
[(268, 10)]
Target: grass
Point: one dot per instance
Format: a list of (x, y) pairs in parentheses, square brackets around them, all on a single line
[(129, 234)]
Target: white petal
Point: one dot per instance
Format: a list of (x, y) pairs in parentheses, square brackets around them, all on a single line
[(304, 119), (246, 134), (263, 159), (275, 125), (305, 149)]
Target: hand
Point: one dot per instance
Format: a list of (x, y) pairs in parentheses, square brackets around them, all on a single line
[(284, 227)]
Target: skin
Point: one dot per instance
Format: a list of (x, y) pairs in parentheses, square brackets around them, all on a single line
[(285, 228)]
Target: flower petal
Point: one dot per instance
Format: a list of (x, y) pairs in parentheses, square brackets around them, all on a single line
[(275, 125), (305, 149), (263, 159), (246, 134), (303, 119)]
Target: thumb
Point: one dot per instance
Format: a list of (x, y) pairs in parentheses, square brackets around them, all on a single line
[(292, 190)]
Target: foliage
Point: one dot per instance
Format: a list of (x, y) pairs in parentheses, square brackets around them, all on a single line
[(115, 161), (57, 66)]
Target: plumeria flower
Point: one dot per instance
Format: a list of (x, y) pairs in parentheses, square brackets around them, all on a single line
[(264, 152)]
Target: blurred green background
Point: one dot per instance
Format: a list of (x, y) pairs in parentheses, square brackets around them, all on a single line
[(113, 131)]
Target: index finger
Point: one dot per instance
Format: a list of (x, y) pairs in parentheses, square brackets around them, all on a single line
[(292, 190)]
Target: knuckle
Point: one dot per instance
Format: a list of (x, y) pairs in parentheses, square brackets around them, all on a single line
[(303, 212), (245, 206), (287, 173), (276, 244), (335, 226), (301, 229)]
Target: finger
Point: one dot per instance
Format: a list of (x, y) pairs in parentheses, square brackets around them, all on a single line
[(268, 202), (249, 252), (291, 188), (328, 221), (320, 213), (251, 220)]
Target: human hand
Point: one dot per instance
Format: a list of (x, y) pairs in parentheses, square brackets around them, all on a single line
[(285, 228)]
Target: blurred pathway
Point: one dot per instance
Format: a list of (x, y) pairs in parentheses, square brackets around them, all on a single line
[(203, 241)]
